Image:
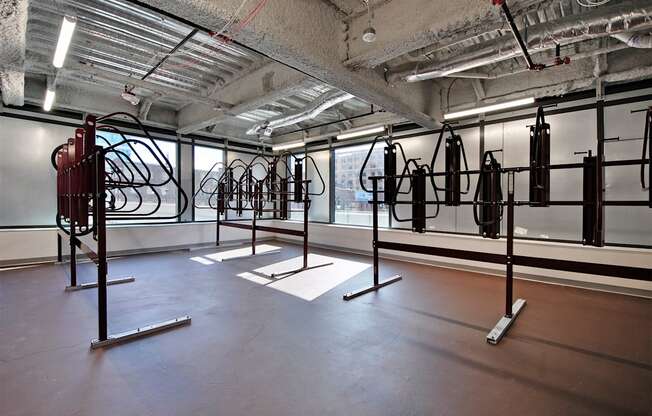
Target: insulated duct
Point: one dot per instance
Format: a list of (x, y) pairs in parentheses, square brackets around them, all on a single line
[(625, 17), (321, 104), (635, 40)]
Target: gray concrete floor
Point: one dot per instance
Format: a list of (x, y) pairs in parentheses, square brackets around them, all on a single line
[(415, 348)]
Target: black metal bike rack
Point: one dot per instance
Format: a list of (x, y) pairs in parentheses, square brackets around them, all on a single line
[(94, 182), (491, 206), (539, 161), (268, 194)]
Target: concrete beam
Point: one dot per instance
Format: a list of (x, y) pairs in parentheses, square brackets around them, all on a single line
[(269, 83), (223, 83), (13, 27), (401, 29), (303, 34), (146, 105), (478, 88), (601, 65)]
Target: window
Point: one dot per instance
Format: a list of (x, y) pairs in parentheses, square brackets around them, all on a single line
[(206, 170), (449, 219), (629, 225), (146, 158), (351, 200), (319, 204), (296, 209), (27, 177)]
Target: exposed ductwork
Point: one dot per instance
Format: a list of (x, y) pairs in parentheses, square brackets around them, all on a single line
[(625, 17), (321, 104), (588, 53), (635, 40)]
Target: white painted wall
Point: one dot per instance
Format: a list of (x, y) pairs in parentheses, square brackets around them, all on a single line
[(24, 245)]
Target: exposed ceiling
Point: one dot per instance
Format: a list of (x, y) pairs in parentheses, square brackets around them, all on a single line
[(114, 37), (290, 68)]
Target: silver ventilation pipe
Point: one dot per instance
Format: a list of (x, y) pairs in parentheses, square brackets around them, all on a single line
[(321, 104), (574, 57), (635, 40), (625, 17)]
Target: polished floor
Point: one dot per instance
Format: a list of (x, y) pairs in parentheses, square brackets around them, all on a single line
[(257, 346)]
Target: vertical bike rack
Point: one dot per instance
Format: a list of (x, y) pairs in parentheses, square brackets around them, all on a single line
[(259, 195), (96, 181)]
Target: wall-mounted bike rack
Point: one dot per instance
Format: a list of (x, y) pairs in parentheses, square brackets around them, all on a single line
[(488, 199)]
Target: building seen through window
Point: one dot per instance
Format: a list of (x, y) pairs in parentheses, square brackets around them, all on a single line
[(351, 200)]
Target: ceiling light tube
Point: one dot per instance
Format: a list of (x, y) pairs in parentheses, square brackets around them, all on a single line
[(65, 36), (489, 108), (49, 100), (286, 146), (360, 133)]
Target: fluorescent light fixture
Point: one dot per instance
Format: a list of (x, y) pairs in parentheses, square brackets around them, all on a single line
[(489, 108), (65, 36), (49, 100), (360, 133), (286, 146)]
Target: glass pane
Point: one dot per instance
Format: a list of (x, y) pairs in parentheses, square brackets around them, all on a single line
[(569, 133), (448, 219), (628, 225), (27, 178), (351, 200), (140, 161), (296, 209), (258, 171), (208, 165), (320, 204)]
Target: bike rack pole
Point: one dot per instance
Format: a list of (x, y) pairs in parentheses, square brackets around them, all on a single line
[(73, 249), (512, 310), (217, 227), (377, 283), (59, 248), (100, 217), (509, 280), (375, 229), (253, 233), (306, 204)]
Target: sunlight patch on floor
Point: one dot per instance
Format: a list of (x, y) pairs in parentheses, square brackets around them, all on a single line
[(240, 252), (308, 284), (202, 260), (255, 278)]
